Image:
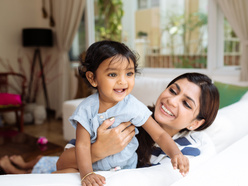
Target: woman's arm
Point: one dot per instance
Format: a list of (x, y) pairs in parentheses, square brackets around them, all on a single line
[(108, 142), (167, 144), (111, 141)]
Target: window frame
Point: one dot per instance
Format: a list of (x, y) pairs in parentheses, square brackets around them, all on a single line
[(215, 56)]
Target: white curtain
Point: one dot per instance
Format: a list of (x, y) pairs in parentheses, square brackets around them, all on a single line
[(236, 12), (67, 15)]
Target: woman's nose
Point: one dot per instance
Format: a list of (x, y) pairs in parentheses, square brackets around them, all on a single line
[(173, 101)]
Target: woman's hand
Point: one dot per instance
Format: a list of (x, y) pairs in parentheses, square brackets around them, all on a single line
[(180, 162), (111, 141), (108, 142)]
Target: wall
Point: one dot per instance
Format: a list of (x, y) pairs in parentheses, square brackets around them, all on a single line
[(14, 16)]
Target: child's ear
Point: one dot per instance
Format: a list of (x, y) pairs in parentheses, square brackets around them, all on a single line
[(91, 78)]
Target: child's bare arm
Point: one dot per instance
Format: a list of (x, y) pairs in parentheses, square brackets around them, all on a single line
[(83, 158), (167, 144)]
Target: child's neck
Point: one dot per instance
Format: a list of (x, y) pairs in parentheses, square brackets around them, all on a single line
[(104, 106)]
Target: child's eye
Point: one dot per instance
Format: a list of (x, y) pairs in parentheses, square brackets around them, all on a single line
[(186, 104), (112, 75), (130, 74), (173, 91)]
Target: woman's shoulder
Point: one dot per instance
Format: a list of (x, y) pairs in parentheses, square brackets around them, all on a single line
[(201, 141), (206, 146), (195, 138)]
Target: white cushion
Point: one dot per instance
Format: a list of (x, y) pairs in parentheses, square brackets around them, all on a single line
[(245, 96), (228, 168), (147, 89), (230, 125), (68, 108)]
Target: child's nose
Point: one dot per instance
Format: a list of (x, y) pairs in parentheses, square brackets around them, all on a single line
[(122, 80)]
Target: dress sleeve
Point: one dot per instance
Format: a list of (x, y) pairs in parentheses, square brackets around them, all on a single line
[(140, 112), (83, 116)]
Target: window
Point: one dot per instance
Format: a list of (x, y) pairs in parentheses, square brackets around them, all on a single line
[(175, 35), (172, 34), (231, 46), (223, 45), (79, 42), (142, 4)]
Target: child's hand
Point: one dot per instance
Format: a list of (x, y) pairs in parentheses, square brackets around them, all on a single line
[(93, 180), (180, 162)]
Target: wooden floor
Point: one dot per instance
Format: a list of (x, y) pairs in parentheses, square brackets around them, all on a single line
[(51, 129)]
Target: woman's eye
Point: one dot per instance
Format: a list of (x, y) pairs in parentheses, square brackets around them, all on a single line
[(130, 73), (112, 75), (173, 91), (186, 104)]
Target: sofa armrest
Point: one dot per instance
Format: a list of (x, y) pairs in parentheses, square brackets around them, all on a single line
[(68, 108)]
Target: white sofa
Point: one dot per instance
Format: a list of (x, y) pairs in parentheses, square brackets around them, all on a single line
[(229, 134), (146, 90)]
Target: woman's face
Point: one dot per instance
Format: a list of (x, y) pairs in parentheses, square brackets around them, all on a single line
[(178, 106)]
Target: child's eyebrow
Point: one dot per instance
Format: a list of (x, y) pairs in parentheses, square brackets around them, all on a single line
[(111, 68), (108, 69), (130, 68)]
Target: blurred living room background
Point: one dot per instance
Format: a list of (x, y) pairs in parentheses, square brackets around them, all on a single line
[(170, 36)]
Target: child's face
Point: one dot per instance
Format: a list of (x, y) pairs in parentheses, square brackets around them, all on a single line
[(114, 79)]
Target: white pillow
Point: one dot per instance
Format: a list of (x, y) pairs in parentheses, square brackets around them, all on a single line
[(147, 89), (159, 175), (230, 125), (245, 96)]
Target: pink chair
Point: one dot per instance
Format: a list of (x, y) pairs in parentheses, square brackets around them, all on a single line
[(12, 93)]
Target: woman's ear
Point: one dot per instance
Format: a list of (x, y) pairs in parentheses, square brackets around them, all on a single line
[(91, 78), (195, 124)]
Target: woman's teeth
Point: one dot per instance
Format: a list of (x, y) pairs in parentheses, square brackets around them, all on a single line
[(167, 111)]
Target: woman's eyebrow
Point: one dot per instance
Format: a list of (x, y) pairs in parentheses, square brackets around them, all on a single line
[(191, 99), (178, 87)]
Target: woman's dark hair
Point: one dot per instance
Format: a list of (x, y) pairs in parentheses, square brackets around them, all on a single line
[(102, 50), (209, 105)]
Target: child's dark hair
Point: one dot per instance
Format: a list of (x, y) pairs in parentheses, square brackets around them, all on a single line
[(102, 50)]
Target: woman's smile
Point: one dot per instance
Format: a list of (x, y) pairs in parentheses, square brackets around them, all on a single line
[(166, 111)]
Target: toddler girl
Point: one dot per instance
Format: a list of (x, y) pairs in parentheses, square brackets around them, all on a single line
[(110, 67)]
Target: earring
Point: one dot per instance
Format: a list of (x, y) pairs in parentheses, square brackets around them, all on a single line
[(190, 127)]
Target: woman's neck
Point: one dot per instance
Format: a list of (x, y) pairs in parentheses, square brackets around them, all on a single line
[(169, 130)]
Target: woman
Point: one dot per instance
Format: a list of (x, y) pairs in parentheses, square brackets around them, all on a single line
[(189, 103), (15, 164)]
